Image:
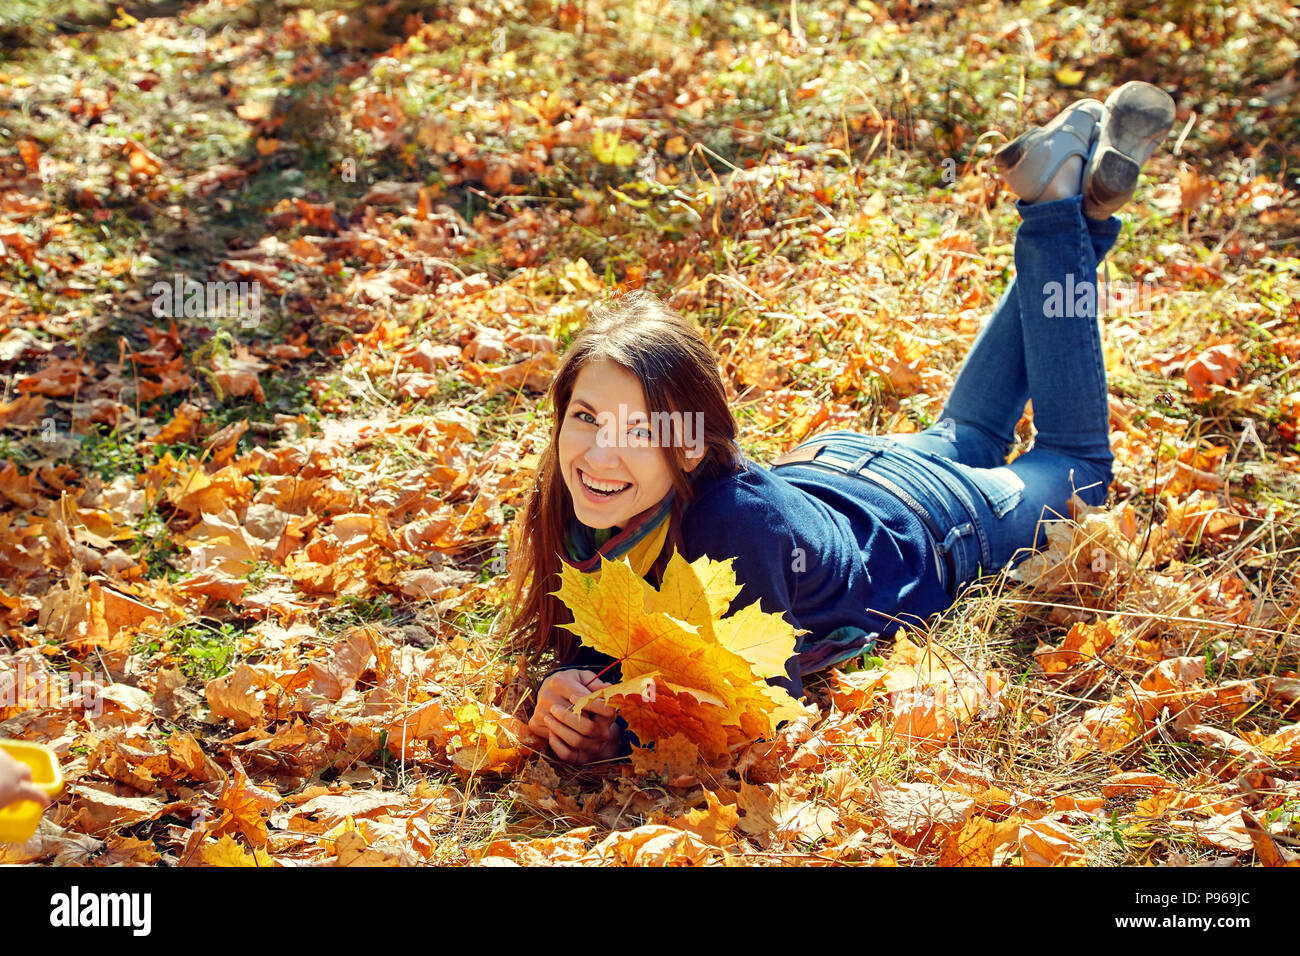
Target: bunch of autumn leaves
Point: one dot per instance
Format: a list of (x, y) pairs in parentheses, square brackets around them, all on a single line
[(686, 669)]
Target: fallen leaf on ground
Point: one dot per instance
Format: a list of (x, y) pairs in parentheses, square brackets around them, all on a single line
[(1049, 843)]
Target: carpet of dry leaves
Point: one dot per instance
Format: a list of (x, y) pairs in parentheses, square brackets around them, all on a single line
[(273, 557)]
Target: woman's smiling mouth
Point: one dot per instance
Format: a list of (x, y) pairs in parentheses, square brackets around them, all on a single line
[(601, 490)]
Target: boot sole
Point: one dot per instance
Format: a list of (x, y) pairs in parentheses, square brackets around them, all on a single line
[(1139, 117)]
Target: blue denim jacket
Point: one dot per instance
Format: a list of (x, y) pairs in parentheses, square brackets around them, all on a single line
[(836, 555)]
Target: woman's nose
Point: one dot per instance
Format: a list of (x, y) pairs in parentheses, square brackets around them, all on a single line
[(603, 454)]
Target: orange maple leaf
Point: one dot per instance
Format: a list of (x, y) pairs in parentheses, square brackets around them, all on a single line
[(686, 668), (1215, 366)]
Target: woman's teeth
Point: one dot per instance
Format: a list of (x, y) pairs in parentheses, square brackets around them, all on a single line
[(606, 489)]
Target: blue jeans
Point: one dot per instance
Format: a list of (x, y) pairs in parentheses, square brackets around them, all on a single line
[(1042, 342)]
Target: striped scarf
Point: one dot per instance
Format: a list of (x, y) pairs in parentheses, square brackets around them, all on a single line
[(641, 540)]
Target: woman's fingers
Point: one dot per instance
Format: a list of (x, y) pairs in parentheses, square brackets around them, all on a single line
[(594, 683), (574, 685), (565, 733), (586, 723), (598, 707), (570, 746), (564, 752), (537, 723), (580, 737)]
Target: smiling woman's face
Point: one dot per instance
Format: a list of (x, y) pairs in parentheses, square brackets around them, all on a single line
[(612, 469)]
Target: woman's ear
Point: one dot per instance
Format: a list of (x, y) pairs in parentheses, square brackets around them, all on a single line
[(690, 431), (690, 463)]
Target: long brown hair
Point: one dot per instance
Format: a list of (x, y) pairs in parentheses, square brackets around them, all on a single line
[(678, 373)]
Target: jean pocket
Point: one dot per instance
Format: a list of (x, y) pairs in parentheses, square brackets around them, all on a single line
[(1001, 487)]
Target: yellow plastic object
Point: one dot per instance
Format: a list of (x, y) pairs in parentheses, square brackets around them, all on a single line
[(18, 820)]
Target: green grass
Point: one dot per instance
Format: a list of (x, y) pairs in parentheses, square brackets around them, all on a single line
[(350, 611), (202, 651), (896, 98)]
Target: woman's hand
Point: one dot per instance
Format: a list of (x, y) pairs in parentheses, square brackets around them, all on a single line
[(16, 783), (577, 738)]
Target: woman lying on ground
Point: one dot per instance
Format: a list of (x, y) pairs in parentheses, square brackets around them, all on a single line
[(848, 532)]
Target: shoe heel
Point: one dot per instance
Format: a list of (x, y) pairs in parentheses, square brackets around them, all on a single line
[(1030, 162), (1110, 176)]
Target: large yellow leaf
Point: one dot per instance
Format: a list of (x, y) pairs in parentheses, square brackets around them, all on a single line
[(697, 593), (745, 633), (686, 669)]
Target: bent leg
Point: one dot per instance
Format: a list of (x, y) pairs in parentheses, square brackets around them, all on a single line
[(978, 421), (1056, 283), (1056, 272)]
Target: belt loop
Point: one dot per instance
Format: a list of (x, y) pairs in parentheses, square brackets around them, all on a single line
[(958, 532), (863, 461)]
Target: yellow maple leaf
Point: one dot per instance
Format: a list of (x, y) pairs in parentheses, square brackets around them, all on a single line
[(686, 669), (696, 593), (488, 741), (228, 852)]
